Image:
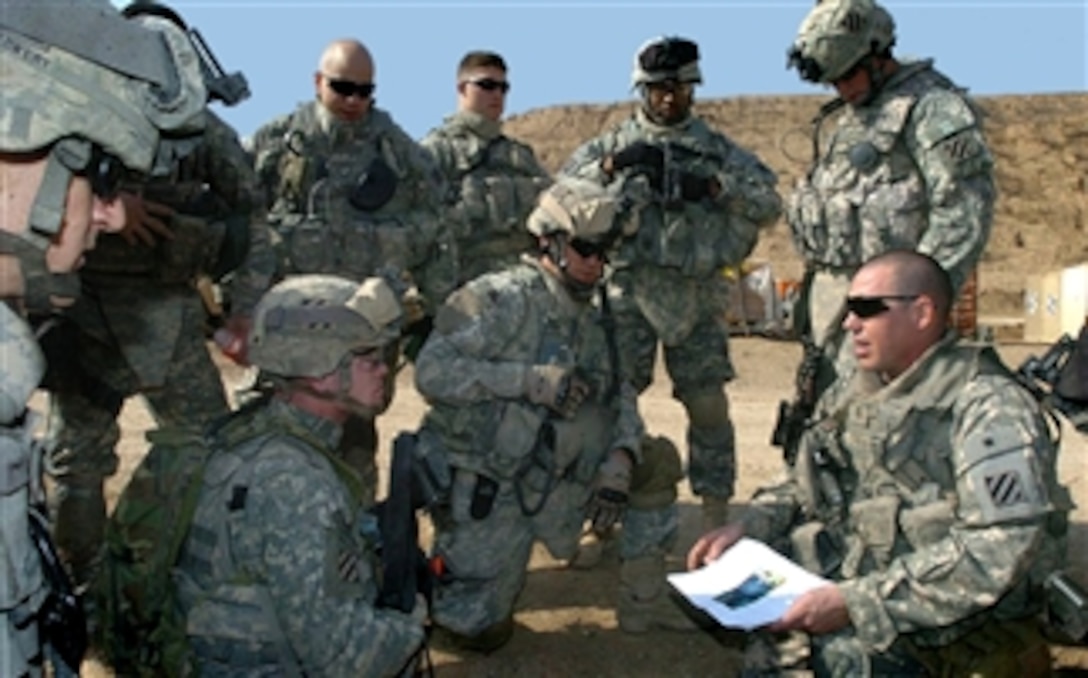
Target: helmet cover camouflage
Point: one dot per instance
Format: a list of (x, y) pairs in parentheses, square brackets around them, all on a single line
[(836, 35), (21, 363), (577, 207), (51, 93), (305, 325), (666, 58)]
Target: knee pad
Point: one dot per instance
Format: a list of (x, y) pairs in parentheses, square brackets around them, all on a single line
[(707, 408), (653, 482)]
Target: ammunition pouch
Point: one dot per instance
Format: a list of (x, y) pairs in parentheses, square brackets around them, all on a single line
[(375, 187), (816, 549), (874, 524), (926, 524)]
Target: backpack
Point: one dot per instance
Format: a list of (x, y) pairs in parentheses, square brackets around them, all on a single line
[(140, 627)]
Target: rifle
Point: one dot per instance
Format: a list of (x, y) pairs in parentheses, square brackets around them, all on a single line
[(229, 88), (1057, 379), (794, 416)]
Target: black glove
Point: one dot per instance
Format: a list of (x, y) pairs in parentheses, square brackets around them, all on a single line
[(641, 155), (694, 187), (608, 502)]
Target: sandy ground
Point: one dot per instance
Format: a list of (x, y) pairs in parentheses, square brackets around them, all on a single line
[(565, 620)]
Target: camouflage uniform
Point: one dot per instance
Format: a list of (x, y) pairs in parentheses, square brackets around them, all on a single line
[(939, 492), (908, 168), (276, 576), (22, 590), (492, 182), (140, 327), (667, 284), (309, 164), (64, 101), (539, 468)]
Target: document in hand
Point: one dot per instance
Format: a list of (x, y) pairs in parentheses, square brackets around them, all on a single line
[(751, 585)]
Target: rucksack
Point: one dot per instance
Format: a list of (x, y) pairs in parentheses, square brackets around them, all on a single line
[(140, 627)]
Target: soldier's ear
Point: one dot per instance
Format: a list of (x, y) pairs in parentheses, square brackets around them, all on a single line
[(317, 83)]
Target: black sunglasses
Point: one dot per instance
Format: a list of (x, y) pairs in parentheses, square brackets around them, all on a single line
[(869, 307), (587, 249), (347, 88), (490, 84), (104, 172)]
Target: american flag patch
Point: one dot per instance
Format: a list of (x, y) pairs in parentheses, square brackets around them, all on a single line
[(1006, 489)]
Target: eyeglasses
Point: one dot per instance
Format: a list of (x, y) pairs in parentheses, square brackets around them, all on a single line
[(347, 88), (671, 87), (104, 172), (491, 84), (869, 307), (587, 249)]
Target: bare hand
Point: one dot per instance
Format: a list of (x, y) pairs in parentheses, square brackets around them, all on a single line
[(145, 220), (713, 544), (817, 612), (233, 338)]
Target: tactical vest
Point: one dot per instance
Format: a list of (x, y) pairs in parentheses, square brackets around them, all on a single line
[(231, 616), (491, 193), (322, 231), (866, 195), (504, 439), (892, 465), (22, 590), (682, 236)]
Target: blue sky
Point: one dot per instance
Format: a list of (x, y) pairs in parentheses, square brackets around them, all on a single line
[(581, 52)]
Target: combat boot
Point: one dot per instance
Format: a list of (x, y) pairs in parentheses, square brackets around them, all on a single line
[(485, 642), (715, 512), (644, 603)]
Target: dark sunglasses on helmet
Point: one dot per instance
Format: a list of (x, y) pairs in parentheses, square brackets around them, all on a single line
[(869, 307), (587, 249), (347, 88), (491, 84), (104, 172)]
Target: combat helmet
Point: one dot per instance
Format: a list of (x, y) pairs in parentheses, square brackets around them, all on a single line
[(101, 95), (837, 35), (577, 208), (307, 325), (666, 58)]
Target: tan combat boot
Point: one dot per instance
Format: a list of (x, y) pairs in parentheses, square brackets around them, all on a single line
[(644, 598), (715, 513)]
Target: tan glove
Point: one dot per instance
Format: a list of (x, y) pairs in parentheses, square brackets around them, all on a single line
[(556, 387), (609, 501)]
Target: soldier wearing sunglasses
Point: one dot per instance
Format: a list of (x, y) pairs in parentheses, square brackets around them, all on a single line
[(928, 495), (701, 201), (492, 181), (79, 110), (351, 194), (139, 327)]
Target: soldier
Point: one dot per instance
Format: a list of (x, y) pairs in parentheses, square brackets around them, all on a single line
[(700, 203), (537, 430), (277, 577), (351, 194), (906, 166), (492, 181), (138, 329), (73, 118), (929, 496)]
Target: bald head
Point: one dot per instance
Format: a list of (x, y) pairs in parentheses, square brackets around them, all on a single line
[(917, 273), (344, 80), (347, 58)]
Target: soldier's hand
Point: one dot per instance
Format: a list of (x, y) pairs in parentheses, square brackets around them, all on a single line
[(145, 220), (232, 339), (609, 501), (819, 611), (713, 544), (695, 187), (556, 387), (640, 154)]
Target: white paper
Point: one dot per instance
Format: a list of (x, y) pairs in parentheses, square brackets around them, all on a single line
[(749, 586)]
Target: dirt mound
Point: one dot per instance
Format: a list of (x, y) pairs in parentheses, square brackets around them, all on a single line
[(1040, 143)]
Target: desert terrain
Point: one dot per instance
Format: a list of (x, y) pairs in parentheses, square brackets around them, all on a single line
[(565, 620)]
